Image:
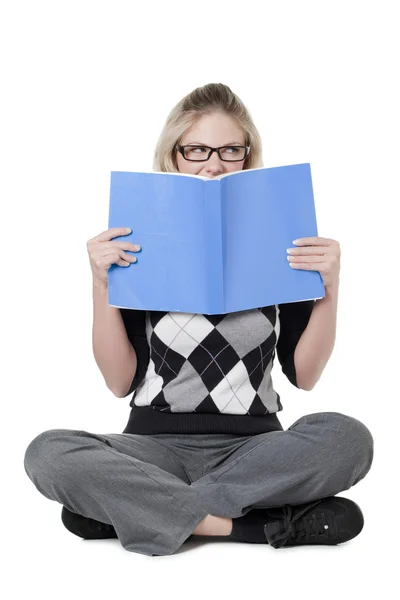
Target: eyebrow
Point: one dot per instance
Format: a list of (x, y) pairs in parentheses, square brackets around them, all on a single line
[(203, 144)]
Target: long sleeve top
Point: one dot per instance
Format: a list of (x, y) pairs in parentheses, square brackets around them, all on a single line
[(211, 373)]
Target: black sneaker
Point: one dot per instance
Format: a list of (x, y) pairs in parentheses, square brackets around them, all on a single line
[(331, 521), (85, 527)]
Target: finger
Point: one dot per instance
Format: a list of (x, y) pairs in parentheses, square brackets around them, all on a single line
[(124, 245), (109, 234), (127, 257), (302, 251), (105, 260), (306, 259), (122, 263), (107, 252), (307, 266), (314, 240), (128, 246), (123, 259)]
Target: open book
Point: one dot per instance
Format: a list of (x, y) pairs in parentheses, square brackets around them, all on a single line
[(212, 246)]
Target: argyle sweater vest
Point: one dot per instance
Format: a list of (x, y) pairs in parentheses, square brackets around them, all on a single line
[(211, 373)]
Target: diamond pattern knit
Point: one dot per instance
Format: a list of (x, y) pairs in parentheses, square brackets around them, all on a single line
[(218, 364)]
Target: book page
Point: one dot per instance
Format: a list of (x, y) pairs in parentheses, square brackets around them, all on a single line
[(207, 178), (218, 177)]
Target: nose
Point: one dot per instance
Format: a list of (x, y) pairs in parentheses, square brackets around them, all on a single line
[(214, 165)]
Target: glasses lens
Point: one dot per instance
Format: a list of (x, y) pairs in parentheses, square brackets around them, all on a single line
[(201, 153), (232, 153), (196, 152)]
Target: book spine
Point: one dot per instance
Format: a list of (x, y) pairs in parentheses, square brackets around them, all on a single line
[(213, 245)]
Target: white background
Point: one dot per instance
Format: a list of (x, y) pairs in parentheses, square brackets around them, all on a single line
[(86, 88)]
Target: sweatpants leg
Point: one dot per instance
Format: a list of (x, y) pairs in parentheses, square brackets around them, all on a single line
[(143, 488), (130, 481), (320, 455)]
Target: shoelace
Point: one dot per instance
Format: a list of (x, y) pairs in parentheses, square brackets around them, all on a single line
[(313, 525)]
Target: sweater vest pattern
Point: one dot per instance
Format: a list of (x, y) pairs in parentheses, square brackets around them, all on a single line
[(211, 363)]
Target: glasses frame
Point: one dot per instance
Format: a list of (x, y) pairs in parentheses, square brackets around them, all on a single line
[(181, 149)]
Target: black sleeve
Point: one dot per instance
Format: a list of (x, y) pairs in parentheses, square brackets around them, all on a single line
[(135, 325), (294, 317)]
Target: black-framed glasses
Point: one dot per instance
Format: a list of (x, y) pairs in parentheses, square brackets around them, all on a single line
[(197, 153)]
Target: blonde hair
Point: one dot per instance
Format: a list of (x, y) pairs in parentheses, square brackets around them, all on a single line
[(211, 98)]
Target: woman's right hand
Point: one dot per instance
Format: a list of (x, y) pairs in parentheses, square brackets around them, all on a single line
[(103, 253)]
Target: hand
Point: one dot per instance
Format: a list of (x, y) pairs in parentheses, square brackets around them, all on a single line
[(103, 253), (317, 254)]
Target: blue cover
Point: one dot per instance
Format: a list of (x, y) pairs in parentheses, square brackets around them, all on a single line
[(212, 246)]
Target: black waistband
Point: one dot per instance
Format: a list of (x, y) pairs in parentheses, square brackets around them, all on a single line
[(148, 420)]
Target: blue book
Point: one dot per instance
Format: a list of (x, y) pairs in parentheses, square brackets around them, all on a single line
[(212, 246)]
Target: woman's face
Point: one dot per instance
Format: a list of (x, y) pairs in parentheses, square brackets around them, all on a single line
[(213, 130)]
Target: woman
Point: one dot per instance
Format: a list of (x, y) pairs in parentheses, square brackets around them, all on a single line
[(203, 452)]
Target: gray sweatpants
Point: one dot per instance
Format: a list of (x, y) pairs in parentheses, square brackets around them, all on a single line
[(155, 489)]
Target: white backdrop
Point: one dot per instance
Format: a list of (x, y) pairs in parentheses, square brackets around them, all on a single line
[(87, 87)]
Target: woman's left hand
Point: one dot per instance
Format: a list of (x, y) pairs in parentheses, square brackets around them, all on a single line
[(317, 254)]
